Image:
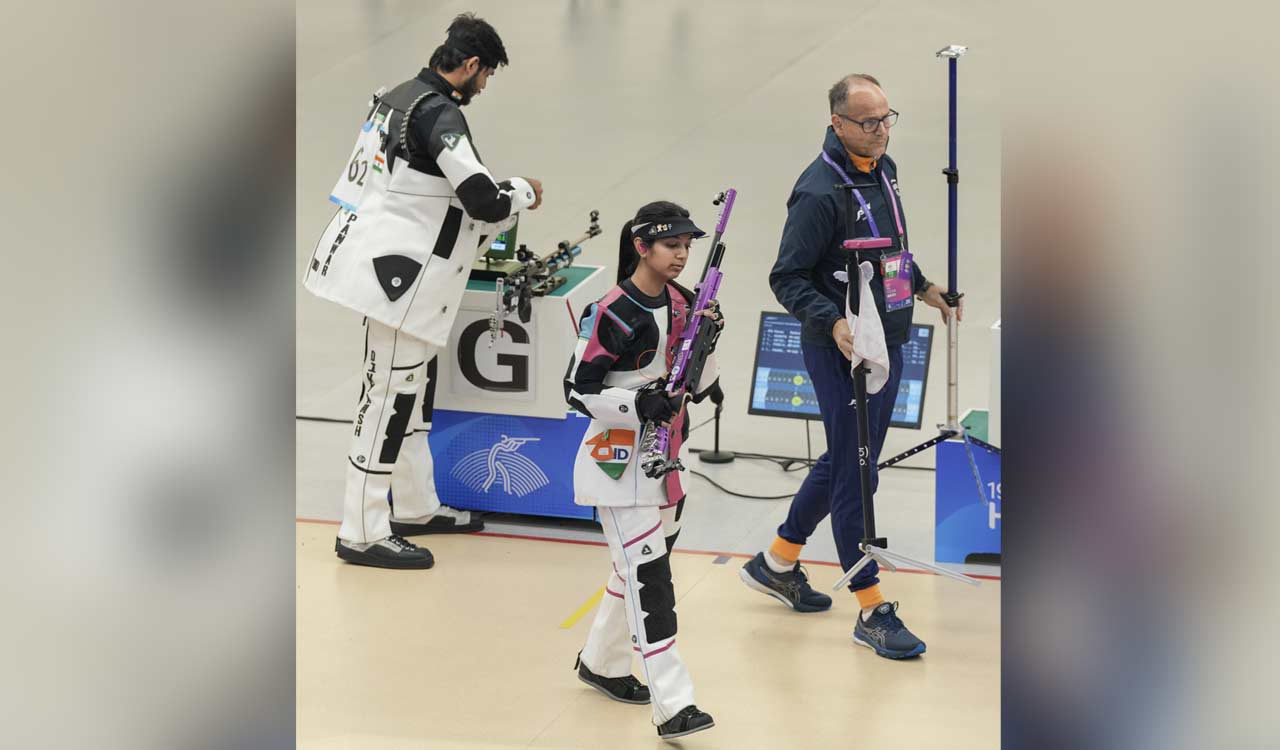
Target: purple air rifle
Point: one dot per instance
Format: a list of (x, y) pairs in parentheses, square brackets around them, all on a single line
[(696, 343)]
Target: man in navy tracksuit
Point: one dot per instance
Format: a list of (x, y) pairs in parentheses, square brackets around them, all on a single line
[(804, 280)]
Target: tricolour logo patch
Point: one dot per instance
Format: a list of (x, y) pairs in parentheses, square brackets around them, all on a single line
[(612, 449)]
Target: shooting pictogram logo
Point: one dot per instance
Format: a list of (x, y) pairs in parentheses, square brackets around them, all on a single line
[(501, 464)]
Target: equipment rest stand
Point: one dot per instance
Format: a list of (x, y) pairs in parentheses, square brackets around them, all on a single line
[(952, 427), (873, 547)]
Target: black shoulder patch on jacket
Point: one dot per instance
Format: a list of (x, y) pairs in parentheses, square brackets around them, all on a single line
[(444, 130)]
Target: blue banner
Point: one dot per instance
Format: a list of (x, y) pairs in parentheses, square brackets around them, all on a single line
[(506, 464), (965, 523)]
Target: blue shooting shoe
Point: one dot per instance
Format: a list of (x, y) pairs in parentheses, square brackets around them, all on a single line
[(885, 634), (791, 588)]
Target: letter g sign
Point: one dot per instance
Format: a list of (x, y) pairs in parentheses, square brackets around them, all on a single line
[(516, 365)]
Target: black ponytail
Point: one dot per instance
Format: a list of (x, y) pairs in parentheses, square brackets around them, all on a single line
[(628, 258)]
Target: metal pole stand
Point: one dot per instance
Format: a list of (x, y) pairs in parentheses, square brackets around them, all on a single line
[(952, 53), (717, 456), (952, 427)]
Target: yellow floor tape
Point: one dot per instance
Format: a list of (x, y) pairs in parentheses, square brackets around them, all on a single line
[(585, 608)]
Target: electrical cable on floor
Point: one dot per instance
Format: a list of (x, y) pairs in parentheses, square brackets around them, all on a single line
[(703, 424), (727, 491), (787, 465)]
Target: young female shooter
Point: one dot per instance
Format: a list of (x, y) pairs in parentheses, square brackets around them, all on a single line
[(626, 344)]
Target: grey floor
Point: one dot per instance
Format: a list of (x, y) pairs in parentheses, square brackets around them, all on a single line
[(614, 104)]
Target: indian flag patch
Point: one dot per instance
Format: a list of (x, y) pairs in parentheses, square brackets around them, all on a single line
[(611, 450), (378, 163)]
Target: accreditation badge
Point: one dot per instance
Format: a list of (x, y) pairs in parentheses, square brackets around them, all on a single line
[(895, 270)]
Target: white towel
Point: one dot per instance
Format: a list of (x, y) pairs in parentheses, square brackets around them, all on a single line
[(868, 333)]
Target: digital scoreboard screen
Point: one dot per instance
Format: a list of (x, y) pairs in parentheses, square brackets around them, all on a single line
[(780, 385)]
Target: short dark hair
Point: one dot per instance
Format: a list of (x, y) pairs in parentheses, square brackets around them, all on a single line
[(839, 93), (468, 37)]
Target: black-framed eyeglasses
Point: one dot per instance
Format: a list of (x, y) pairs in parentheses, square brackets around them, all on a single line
[(870, 126)]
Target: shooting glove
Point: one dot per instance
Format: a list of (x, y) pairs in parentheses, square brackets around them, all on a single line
[(656, 406)]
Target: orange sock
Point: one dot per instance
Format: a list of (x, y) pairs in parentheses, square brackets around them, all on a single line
[(869, 597), (784, 551)]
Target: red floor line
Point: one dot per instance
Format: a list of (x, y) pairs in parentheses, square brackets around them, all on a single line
[(588, 543)]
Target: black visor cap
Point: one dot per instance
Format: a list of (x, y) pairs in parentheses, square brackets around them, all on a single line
[(673, 226)]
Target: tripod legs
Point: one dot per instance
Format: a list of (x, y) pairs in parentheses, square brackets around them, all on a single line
[(873, 547), (891, 560)]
